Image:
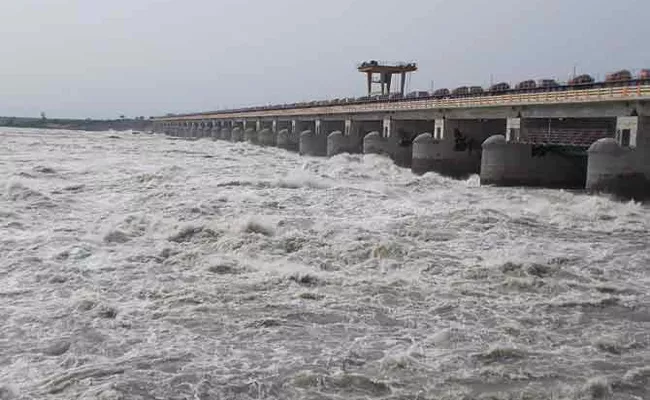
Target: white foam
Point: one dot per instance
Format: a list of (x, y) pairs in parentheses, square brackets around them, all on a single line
[(213, 269)]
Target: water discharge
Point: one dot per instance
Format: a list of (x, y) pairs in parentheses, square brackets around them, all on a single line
[(144, 267)]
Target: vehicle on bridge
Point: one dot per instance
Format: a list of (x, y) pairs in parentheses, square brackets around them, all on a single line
[(583, 79), (460, 91), (528, 84), (499, 87), (475, 90), (547, 84), (622, 75), (440, 93), (580, 82)]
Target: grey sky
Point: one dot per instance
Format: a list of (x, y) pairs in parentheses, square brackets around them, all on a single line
[(100, 58)]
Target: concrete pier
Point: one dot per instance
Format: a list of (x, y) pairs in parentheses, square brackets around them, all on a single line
[(312, 144), (517, 164), (453, 148), (266, 137), (520, 137), (621, 165), (374, 143), (338, 143), (237, 134), (215, 133), (250, 135), (287, 140)]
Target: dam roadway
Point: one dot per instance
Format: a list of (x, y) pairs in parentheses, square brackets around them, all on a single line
[(594, 138)]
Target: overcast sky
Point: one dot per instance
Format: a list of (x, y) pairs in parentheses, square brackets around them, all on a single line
[(103, 58)]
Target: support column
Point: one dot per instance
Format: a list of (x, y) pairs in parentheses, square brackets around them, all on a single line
[(621, 165), (453, 148), (314, 143), (345, 138), (369, 81), (289, 139), (250, 131), (283, 134), (216, 127), (266, 134), (237, 133), (401, 134), (226, 127)]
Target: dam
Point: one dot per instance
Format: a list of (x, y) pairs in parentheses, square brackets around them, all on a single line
[(583, 134)]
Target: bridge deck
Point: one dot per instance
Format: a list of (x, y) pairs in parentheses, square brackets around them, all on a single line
[(626, 93)]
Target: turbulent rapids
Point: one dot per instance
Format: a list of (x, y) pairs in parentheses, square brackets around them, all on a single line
[(147, 267)]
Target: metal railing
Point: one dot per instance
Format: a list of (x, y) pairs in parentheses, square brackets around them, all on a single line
[(619, 93)]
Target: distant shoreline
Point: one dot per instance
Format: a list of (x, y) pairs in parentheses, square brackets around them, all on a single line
[(77, 124)]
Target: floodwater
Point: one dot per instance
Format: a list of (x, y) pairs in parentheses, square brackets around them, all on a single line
[(145, 267)]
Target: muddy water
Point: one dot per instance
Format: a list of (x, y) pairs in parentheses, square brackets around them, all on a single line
[(143, 267)]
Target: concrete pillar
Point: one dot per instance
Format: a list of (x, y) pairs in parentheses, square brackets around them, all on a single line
[(513, 129), (621, 165), (250, 135), (316, 144), (345, 138), (426, 153), (216, 128), (337, 143), (237, 134), (401, 134), (518, 164), (374, 143), (207, 129), (224, 133), (312, 144), (292, 141), (266, 137), (453, 149), (286, 140)]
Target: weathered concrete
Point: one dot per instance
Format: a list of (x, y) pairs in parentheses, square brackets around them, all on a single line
[(356, 131), (400, 135), (442, 156), (516, 164), (453, 149), (287, 140), (338, 143), (236, 135), (215, 133), (266, 137), (621, 165), (250, 135), (312, 144), (225, 133), (374, 143)]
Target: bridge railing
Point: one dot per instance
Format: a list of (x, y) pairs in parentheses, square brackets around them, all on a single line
[(550, 97)]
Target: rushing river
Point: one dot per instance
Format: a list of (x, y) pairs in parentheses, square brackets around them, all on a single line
[(145, 267)]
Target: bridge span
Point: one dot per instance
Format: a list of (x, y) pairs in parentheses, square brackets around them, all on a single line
[(596, 138)]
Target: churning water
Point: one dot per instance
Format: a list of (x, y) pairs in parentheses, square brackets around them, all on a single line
[(144, 267)]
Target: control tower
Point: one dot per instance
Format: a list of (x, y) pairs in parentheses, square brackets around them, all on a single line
[(386, 72)]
